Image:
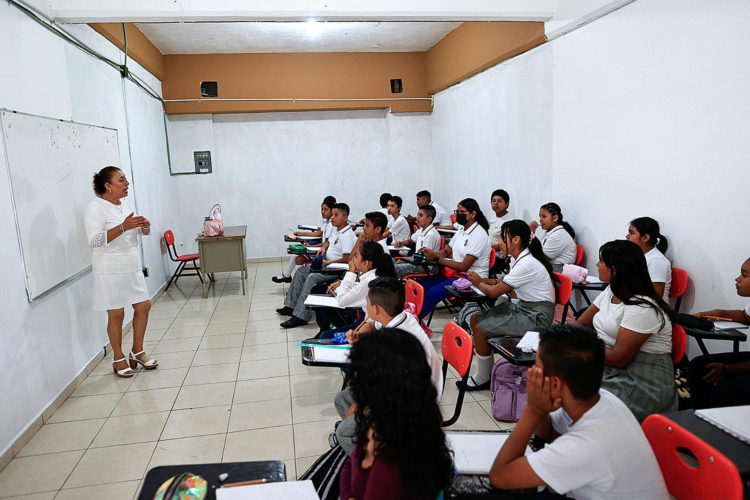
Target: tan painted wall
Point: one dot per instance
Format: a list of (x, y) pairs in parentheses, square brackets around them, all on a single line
[(140, 48)]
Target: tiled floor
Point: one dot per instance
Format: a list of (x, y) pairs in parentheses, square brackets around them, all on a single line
[(230, 387)]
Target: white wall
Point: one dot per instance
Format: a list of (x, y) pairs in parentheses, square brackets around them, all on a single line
[(643, 112), (271, 170), (48, 342)]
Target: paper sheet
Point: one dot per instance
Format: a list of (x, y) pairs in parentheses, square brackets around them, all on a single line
[(315, 300), (724, 325), (299, 490), (474, 452), (529, 342), (338, 266), (593, 279), (331, 353), (308, 227), (734, 419)]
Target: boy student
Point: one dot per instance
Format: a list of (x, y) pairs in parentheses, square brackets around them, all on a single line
[(398, 227), (425, 237), (373, 229), (442, 218), (385, 306), (499, 201), (596, 447), (337, 249)]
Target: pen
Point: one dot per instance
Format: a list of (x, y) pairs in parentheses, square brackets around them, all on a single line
[(717, 318), (245, 483)]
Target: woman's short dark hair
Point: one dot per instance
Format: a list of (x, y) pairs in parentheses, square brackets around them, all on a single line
[(102, 177), (649, 226), (471, 205), (390, 382), (554, 209), (502, 193)]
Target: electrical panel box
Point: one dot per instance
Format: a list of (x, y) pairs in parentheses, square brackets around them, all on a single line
[(202, 162)]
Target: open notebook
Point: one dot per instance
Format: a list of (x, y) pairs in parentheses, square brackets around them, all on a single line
[(302, 490), (474, 452), (734, 420)]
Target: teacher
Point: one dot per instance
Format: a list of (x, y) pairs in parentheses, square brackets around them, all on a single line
[(111, 227)]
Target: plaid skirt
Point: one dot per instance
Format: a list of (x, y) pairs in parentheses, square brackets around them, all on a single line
[(515, 318), (646, 385)]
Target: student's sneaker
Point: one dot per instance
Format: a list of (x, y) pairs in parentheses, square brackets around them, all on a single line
[(281, 279)]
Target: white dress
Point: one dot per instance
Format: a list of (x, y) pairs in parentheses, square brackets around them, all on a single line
[(116, 264)]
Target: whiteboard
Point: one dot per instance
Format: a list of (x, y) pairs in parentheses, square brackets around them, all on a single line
[(51, 164)]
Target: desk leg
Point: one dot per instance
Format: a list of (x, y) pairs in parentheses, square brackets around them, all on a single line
[(703, 346), (736, 347), (205, 285)]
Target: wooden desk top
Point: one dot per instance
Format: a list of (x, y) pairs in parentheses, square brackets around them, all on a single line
[(230, 233)]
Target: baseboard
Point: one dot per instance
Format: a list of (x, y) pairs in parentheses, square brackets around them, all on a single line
[(259, 260)]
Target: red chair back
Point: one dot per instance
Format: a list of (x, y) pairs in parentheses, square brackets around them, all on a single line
[(415, 295), (169, 237), (493, 257), (679, 343), (564, 290), (679, 283), (442, 242), (453, 218), (457, 348), (579, 254), (715, 476)]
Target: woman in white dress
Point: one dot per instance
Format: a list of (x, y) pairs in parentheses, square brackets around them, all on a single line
[(111, 227)]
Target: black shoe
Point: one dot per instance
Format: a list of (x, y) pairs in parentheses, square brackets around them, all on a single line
[(293, 322), (473, 387), (282, 279), (285, 311)]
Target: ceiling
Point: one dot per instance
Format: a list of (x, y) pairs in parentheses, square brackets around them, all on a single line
[(258, 37)]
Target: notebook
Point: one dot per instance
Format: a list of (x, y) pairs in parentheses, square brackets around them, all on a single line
[(529, 342), (329, 353), (725, 325), (302, 490), (474, 452), (338, 266), (315, 300), (734, 420)]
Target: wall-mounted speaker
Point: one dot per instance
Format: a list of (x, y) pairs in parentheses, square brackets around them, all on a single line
[(396, 86), (209, 89)]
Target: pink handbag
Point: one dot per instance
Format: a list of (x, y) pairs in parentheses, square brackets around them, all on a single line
[(213, 225)]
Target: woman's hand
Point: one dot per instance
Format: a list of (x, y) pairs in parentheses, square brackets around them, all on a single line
[(717, 374), (533, 225), (131, 222), (474, 278)]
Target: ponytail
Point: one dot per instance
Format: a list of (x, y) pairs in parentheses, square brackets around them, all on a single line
[(471, 205), (554, 209), (382, 262), (519, 228), (649, 226)]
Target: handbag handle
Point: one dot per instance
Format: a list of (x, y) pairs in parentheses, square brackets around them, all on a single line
[(214, 209)]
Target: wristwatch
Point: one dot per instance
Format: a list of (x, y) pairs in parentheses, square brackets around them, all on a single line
[(122, 228)]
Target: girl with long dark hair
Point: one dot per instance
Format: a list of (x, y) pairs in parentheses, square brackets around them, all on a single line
[(557, 240), (644, 232), (634, 323), (401, 451)]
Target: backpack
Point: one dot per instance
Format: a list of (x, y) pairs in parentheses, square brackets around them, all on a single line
[(508, 386)]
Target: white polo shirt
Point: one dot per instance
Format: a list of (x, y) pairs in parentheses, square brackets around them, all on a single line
[(559, 246), (353, 293), (428, 237), (473, 241), (383, 243), (442, 218), (399, 229), (660, 270), (340, 242), (495, 225), (530, 280)]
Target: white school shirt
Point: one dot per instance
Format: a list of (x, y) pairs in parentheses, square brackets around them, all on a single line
[(747, 309), (472, 242), (442, 218), (495, 225), (353, 293), (408, 323), (388, 216), (428, 237), (638, 318), (326, 228), (530, 280), (399, 229), (340, 242), (558, 246), (383, 243), (120, 255), (604, 455), (659, 270)]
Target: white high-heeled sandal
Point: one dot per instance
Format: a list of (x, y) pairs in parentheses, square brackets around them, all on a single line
[(149, 364), (126, 372)]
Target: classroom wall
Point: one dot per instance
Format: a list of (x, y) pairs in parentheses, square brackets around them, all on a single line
[(642, 112), (48, 342), (271, 170)]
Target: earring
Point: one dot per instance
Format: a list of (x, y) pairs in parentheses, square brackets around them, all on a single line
[(110, 191)]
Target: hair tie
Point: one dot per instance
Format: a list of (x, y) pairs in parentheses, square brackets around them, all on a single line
[(533, 235)]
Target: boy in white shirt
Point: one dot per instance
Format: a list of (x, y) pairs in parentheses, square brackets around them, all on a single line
[(426, 236), (499, 201), (398, 227), (442, 218), (596, 447), (375, 225)]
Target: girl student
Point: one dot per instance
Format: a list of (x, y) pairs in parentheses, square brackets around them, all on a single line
[(400, 451), (644, 232), (326, 210), (468, 250), (634, 323), (370, 261), (724, 379), (530, 278), (557, 242)]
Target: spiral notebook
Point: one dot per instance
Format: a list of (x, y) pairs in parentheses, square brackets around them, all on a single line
[(734, 420)]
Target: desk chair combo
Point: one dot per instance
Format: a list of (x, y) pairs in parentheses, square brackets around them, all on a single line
[(182, 260)]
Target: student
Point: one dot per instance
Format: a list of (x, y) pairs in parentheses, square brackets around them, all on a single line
[(326, 210), (374, 226), (596, 449), (337, 249), (385, 306), (557, 241), (398, 227), (401, 452), (442, 218), (724, 379), (425, 237), (634, 323), (468, 250), (644, 232), (530, 277), (370, 261), (383, 200), (499, 201)]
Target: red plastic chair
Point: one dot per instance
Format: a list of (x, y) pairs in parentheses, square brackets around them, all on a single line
[(678, 287), (182, 259), (715, 476), (415, 295), (442, 242), (579, 254), (563, 292), (453, 218), (679, 343), (457, 348)]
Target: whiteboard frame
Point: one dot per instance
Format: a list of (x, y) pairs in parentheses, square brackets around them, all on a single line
[(77, 274)]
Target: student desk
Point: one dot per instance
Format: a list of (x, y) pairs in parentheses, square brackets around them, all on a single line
[(270, 470), (307, 355), (300, 239), (732, 334), (506, 347), (464, 298), (597, 286), (223, 254)]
